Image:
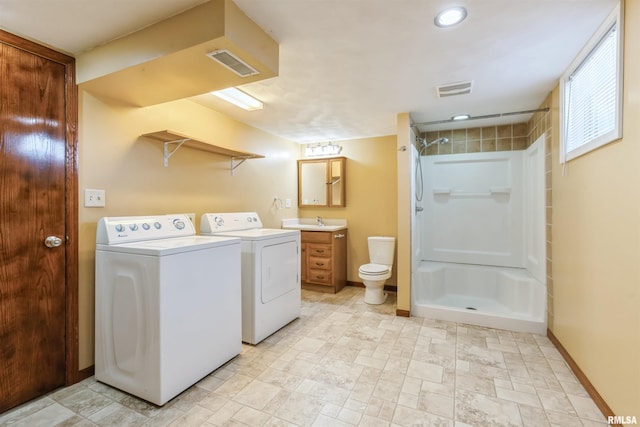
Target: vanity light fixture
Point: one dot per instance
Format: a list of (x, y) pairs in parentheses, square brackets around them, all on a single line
[(461, 117), (239, 99), (322, 150), (451, 16)]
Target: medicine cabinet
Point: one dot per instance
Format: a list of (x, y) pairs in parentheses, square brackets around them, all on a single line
[(321, 182)]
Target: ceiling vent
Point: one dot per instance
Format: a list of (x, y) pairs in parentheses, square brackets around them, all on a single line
[(453, 89), (232, 62)]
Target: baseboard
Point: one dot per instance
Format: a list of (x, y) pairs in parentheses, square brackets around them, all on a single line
[(390, 288), (590, 389), (403, 313), (85, 373)]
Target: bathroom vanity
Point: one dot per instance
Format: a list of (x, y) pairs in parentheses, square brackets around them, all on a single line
[(324, 253), (324, 260)]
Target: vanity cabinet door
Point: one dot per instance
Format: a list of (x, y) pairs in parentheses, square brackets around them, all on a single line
[(336, 182)]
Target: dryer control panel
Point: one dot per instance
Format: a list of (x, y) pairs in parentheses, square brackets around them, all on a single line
[(225, 222), (126, 229)]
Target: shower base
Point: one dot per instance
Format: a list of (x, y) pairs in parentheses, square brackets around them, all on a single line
[(496, 297)]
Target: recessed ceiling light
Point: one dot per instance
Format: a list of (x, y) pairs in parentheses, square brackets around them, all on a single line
[(461, 117), (450, 16), (239, 98)]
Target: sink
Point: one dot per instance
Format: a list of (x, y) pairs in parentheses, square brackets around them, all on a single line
[(313, 227), (310, 224)]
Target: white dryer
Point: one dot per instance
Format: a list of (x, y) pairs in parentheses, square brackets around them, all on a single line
[(167, 304), (270, 271)]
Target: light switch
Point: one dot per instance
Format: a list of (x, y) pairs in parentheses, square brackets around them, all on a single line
[(94, 198)]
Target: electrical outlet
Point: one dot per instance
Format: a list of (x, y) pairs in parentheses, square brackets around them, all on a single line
[(94, 198)]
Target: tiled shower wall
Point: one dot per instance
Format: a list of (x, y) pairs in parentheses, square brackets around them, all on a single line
[(517, 136), (481, 139)]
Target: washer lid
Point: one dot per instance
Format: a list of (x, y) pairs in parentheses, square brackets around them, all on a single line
[(374, 269), (162, 247)]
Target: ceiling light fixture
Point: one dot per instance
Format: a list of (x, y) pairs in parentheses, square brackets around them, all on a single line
[(239, 99), (450, 17), (461, 117), (322, 150)]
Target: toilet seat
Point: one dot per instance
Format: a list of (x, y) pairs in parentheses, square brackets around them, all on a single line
[(374, 269)]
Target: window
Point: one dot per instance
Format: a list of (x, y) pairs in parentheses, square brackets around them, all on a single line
[(591, 92)]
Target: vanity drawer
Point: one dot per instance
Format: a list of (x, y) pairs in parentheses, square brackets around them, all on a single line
[(319, 251), (319, 276), (319, 263), (316, 237)]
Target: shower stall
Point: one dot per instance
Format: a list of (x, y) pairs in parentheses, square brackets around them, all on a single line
[(478, 237)]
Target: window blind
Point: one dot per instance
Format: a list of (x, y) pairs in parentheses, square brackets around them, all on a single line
[(591, 101)]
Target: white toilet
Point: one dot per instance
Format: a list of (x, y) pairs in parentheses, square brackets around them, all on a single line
[(374, 274)]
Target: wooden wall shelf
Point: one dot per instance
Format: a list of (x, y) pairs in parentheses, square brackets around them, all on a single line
[(169, 138)]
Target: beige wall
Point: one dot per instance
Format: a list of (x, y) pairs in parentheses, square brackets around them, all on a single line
[(130, 169), (371, 177), (402, 155), (596, 249)]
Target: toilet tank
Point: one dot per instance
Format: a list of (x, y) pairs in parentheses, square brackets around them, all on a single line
[(381, 250)]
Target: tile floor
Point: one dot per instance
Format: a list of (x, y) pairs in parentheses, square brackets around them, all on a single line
[(345, 363)]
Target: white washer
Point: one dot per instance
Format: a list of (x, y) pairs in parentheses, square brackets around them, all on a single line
[(168, 304), (270, 271)]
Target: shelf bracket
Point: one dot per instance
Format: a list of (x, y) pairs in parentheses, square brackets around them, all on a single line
[(240, 160), (168, 153)]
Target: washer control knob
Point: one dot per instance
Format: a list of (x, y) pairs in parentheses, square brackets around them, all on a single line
[(179, 224), (146, 226), (219, 221), (255, 219), (157, 225), (133, 227), (119, 228), (249, 219)]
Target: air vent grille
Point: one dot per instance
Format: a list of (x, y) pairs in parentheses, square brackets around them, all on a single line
[(454, 89), (233, 63)]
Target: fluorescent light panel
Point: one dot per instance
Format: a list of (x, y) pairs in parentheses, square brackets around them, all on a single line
[(239, 99)]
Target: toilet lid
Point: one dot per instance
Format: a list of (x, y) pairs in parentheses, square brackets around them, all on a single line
[(374, 269)]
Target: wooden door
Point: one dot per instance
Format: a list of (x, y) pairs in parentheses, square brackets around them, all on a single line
[(33, 156)]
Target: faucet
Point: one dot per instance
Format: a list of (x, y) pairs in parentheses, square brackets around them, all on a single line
[(319, 221)]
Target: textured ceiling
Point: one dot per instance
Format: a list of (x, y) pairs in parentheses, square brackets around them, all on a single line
[(348, 67)]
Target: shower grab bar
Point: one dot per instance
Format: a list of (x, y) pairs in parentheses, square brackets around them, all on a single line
[(492, 191)]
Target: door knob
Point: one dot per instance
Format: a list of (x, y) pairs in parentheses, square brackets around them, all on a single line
[(52, 241)]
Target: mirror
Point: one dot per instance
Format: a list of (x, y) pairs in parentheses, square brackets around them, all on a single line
[(311, 183), (321, 182)]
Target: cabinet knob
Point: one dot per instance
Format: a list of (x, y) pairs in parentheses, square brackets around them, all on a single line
[(338, 236)]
